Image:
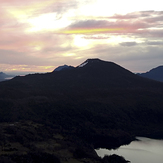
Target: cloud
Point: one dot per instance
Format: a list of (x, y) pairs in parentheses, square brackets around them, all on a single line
[(141, 23), (40, 34), (128, 43), (137, 15), (96, 37), (87, 27), (39, 48), (104, 26), (155, 43), (37, 6), (24, 69), (133, 58)]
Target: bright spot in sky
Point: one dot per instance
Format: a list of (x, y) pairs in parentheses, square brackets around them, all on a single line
[(107, 8), (79, 41), (47, 22)]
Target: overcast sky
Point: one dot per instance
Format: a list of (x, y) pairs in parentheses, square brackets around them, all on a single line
[(39, 35)]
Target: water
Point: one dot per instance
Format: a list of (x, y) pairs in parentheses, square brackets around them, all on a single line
[(144, 151), (8, 78)]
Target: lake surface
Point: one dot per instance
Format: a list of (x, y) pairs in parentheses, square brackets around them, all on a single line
[(144, 151), (8, 78)]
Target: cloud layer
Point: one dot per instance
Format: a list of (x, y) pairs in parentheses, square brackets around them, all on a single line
[(39, 35)]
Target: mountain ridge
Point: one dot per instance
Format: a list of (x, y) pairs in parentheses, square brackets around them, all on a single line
[(95, 74), (155, 74), (64, 67)]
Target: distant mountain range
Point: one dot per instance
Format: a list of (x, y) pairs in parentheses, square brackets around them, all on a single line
[(91, 74), (4, 76), (155, 74)]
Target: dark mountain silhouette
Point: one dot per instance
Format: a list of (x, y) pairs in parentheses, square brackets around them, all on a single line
[(64, 67), (155, 74), (96, 104), (96, 75)]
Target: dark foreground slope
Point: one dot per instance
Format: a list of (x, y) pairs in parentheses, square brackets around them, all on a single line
[(97, 104)]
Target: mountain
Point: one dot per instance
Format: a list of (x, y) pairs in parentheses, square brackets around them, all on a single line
[(64, 67), (4, 76), (69, 113), (92, 74), (93, 85), (155, 74)]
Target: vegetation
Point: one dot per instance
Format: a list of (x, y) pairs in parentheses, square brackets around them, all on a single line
[(64, 115)]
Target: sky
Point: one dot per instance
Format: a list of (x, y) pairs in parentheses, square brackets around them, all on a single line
[(39, 35)]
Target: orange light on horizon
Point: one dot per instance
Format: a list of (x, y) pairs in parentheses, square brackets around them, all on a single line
[(27, 68)]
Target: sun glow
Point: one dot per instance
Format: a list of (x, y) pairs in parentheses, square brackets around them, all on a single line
[(47, 22), (107, 8), (42, 22), (80, 41), (32, 16)]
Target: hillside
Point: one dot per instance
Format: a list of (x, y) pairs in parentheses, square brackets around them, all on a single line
[(155, 74), (98, 104)]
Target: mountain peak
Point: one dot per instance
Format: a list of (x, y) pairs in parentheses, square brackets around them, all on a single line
[(90, 61), (93, 60), (64, 67)]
